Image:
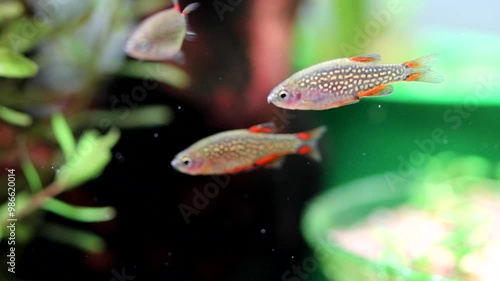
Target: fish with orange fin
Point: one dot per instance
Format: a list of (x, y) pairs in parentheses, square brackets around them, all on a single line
[(160, 36), (246, 149), (344, 81)]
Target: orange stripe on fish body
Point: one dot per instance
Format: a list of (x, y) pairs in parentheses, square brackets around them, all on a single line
[(344, 81), (239, 150)]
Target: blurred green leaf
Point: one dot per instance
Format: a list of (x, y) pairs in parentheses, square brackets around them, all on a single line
[(145, 116), (32, 176), (10, 10), (63, 134), (83, 240), (14, 65), (157, 71), (22, 34), (78, 213), (92, 154), (15, 117)]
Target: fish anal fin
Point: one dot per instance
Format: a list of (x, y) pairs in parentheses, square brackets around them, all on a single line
[(381, 90), (268, 127), (366, 58), (276, 164), (266, 160)]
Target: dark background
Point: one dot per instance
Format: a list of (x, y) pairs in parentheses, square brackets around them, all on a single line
[(251, 229)]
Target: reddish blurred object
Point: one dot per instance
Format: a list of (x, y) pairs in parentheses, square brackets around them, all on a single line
[(233, 72)]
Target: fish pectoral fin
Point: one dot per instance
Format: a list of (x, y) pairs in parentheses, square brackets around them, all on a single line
[(179, 57), (366, 58), (382, 90), (268, 127), (276, 164), (190, 35)]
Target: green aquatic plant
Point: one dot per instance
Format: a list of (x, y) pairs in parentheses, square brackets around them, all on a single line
[(59, 59), (14, 65), (15, 117), (85, 160)]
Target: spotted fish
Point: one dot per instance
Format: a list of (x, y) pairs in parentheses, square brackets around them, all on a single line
[(245, 149), (344, 81), (160, 36)]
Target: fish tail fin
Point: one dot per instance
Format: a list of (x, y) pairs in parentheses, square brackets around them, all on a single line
[(191, 7), (419, 70), (310, 139), (190, 34)]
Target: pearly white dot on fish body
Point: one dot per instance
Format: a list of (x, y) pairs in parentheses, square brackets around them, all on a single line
[(345, 81), (160, 36)]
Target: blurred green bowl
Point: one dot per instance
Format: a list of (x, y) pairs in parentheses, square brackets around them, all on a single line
[(342, 207)]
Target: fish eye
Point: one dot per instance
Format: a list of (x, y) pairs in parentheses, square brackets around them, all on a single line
[(283, 95), (186, 161)]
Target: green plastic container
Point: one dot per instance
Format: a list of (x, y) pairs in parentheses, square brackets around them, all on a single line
[(346, 205)]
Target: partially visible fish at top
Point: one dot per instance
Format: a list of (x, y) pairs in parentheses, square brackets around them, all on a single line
[(344, 81), (160, 36), (245, 149)]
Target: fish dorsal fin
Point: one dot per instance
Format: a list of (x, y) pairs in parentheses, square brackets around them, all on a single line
[(191, 7), (268, 127), (366, 58), (176, 5)]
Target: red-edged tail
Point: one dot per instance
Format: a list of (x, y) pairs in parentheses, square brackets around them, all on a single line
[(419, 70), (310, 139), (191, 7)]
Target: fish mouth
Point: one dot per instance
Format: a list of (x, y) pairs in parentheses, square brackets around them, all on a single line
[(173, 163), (269, 98)]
